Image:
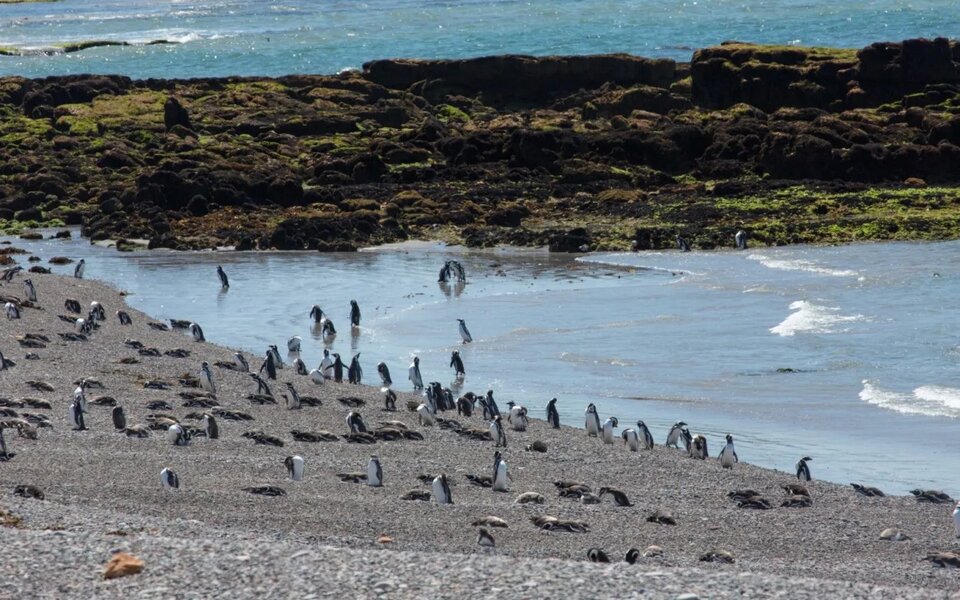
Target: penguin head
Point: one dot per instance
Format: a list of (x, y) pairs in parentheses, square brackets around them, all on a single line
[(614, 421), (805, 459), (632, 555), (729, 439)]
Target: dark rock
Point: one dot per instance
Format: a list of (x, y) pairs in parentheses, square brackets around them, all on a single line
[(175, 114)]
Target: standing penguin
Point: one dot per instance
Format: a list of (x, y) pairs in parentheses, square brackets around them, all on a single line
[(956, 520), (13, 312), (374, 472), (29, 290), (124, 317), (499, 473), (497, 433), (262, 387), (277, 361), (608, 426), (457, 363), (326, 365), (76, 415), (316, 313), (491, 405), (337, 368), (206, 378), (728, 456), (354, 314), (210, 427), (242, 365), (177, 435), (644, 434), (169, 479), (676, 434), (414, 374), (518, 418), (464, 332), (224, 282), (553, 417), (294, 465), (484, 538), (300, 366), (329, 331), (355, 372), (740, 239), (441, 490), (592, 420), (269, 365), (293, 344), (631, 439), (293, 400), (384, 373), (355, 422), (197, 333), (4, 455), (803, 471), (80, 396), (119, 419), (78, 270)]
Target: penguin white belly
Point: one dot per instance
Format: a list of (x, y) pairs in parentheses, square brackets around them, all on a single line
[(439, 493), (426, 417), (727, 457), (633, 442), (591, 426), (373, 475), (956, 520), (316, 377), (608, 433), (500, 478)]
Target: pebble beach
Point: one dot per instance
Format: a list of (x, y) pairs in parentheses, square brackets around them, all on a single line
[(324, 536)]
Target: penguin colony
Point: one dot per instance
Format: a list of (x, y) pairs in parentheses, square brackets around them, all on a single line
[(483, 422)]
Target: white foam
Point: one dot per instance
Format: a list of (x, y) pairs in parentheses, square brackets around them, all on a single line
[(800, 265), (927, 400), (812, 318)]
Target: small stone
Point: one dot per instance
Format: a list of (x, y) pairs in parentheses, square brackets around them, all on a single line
[(121, 565), (688, 596)]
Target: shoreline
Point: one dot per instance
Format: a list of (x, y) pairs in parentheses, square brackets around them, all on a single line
[(101, 470)]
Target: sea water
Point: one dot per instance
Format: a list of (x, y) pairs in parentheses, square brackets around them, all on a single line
[(257, 37), (847, 354)]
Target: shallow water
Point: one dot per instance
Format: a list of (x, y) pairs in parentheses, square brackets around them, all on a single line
[(847, 354), (253, 37)]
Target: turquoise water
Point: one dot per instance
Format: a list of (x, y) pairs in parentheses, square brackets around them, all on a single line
[(849, 354), (255, 37)]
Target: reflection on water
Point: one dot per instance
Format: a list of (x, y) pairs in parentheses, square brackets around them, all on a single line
[(845, 354)]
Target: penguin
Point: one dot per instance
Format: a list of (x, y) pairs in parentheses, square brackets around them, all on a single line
[(13, 312), (177, 435), (956, 520), (329, 331), (354, 314), (597, 555), (293, 400), (425, 416), (316, 313), (355, 372), (740, 240), (5, 362), (4, 455), (169, 479), (269, 365), (293, 344), (553, 417), (683, 244), (491, 405), (78, 270), (465, 405), (278, 362), (197, 333), (124, 317), (300, 366), (457, 364), (518, 418), (631, 439), (803, 471), (206, 378), (464, 332), (698, 448), (390, 400), (337, 368), (592, 420), (76, 415), (384, 373), (645, 436), (675, 435), (355, 422), (326, 365), (484, 539), (728, 456), (119, 419), (241, 362), (497, 433), (374, 472), (499, 473), (29, 290), (633, 555), (608, 426), (294, 465), (262, 387), (414, 374), (210, 427), (224, 282), (316, 376), (80, 396), (441, 490)]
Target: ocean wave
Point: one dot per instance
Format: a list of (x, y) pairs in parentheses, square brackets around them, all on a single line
[(927, 400), (812, 318), (801, 265)]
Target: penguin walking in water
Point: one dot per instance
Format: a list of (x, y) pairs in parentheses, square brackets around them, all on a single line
[(728, 456), (262, 387), (224, 282), (269, 365), (384, 373), (499, 473), (124, 317), (464, 332), (78, 270), (169, 479), (13, 311), (484, 539), (676, 435), (645, 436), (328, 331), (683, 244), (119, 419), (242, 365), (374, 472), (76, 415), (206, 378), (293, 344), (631, 439), (355, 372), (740, 240), (457, 363), (355, 422), (294, 465), (441, 490), (497, 433), (210, 427), (338, 367), (316, 313), (803, 470), (592, 420), (553, 417), (354, 314), (177, 435), (326, 365), (414, 374), (293, 400), (29, 290), (608, 426)]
